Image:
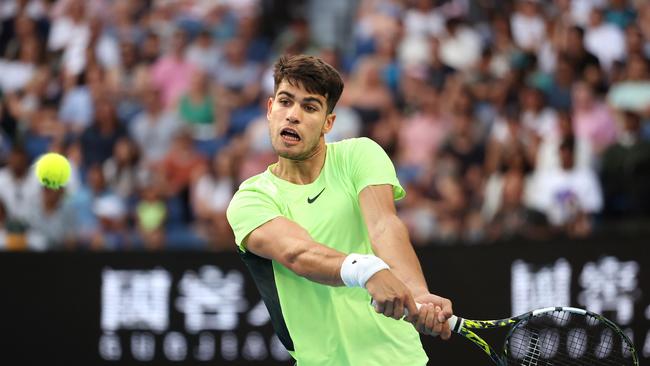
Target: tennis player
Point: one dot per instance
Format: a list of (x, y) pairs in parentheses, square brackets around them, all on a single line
[(319, 233)]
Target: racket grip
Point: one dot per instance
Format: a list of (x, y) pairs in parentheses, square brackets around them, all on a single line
[(452, 321)]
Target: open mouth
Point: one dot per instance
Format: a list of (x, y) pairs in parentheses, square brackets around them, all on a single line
[(290, 134)]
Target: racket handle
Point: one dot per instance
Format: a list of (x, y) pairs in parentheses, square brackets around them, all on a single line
[(452, 321)]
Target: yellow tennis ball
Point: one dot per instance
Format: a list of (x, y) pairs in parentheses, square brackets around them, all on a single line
[(53, 170)]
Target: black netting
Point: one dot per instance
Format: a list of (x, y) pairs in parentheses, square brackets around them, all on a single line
[(563, 338)]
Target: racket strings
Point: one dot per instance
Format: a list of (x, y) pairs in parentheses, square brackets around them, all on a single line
[(563, 338)]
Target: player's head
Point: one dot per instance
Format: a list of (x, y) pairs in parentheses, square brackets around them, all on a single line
[(300, 111)]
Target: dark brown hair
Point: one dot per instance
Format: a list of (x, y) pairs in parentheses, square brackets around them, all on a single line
[(312, 73)]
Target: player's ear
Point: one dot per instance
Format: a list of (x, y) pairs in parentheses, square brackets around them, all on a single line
[(269, 106), (329, 123)]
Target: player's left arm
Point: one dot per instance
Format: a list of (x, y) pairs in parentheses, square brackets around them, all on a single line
[(390, 241)]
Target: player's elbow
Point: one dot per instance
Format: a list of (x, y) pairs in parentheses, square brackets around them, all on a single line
[(292, 258), (388, 225)]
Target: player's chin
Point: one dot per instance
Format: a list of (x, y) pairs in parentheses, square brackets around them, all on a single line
[(290, 154), (291, 151)]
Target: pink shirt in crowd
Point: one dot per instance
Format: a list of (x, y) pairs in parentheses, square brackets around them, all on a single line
[(420, 138), (173, 77), (595, 124)]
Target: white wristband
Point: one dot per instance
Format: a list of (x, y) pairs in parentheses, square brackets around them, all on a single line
[(358, 268)]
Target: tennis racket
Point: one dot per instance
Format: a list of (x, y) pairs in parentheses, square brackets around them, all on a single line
[(556, 336)]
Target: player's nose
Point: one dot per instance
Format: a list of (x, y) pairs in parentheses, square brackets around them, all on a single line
[(295, 114)]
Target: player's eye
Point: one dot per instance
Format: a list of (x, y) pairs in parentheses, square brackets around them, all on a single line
[(311, 108), (284, 102)]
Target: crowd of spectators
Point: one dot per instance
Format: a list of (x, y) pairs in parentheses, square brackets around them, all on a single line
[(505, 119)]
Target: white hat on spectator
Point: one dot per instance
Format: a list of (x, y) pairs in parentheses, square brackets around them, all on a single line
[(110, 207)]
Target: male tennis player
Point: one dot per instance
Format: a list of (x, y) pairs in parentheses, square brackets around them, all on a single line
[(319, 232)]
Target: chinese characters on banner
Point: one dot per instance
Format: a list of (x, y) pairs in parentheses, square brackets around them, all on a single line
[(607, 286), (212, 304)]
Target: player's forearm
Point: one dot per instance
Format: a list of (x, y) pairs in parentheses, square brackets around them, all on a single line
[(314, 261), (290, 245), (390, 241)]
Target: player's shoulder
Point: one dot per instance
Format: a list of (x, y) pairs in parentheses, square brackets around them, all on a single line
[(261, 182), (255, 194), (353, 145)]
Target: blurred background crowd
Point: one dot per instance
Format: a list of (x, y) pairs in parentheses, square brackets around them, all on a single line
[(505, 119)]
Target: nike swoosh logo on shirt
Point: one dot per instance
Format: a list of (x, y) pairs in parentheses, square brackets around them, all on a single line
[(311, 200)]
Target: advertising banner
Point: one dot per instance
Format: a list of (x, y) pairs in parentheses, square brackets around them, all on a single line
[(166, 308)]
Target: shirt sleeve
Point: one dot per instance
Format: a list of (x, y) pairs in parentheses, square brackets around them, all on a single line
[(370, 165), (248, 210)]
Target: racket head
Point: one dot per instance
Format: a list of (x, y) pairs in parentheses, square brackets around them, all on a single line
[(567, 336)]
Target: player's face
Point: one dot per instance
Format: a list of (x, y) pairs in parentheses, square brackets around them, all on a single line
[(298, 122)]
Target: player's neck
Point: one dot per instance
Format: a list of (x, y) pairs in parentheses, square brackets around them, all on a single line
[(301, 171)]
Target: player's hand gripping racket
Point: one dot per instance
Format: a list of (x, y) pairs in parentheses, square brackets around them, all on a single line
[(558, 336)]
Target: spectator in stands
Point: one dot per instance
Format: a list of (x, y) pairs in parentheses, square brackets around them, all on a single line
[(22, 54), (558, 93), (509, 137), (128, 79), (154, 128), (569, 196), (172, 72), (620, 13), (631, 91), (419, 214), (461, 47), (348, 123), (605, 40), (463, 149), (178, 168), (203, 115), (238, 86), (528, 25), (643, 18), (204, 53), (501, 44), (576, 53), (513, 162), (423, 19), (461, 158), (513, 219), (451, 206), (150, 49), (121, 170), (112, 232), (20, 190), (368, 95), (294, 39), (122, 25), (23, 105), (76, 110), (536, 116), (70, 35), (42, 130), (150, 216), (76, 75), (83, 199), (52, 222), (210, 194), (421, 135), (593, 119), (98, 139), (625, 171), (386, 56), (21, 20), (547, 157)]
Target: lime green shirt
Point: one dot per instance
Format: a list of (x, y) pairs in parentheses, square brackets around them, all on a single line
[(323, 325)]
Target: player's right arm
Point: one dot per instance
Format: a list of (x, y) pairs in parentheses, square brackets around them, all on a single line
[(287, 243)]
